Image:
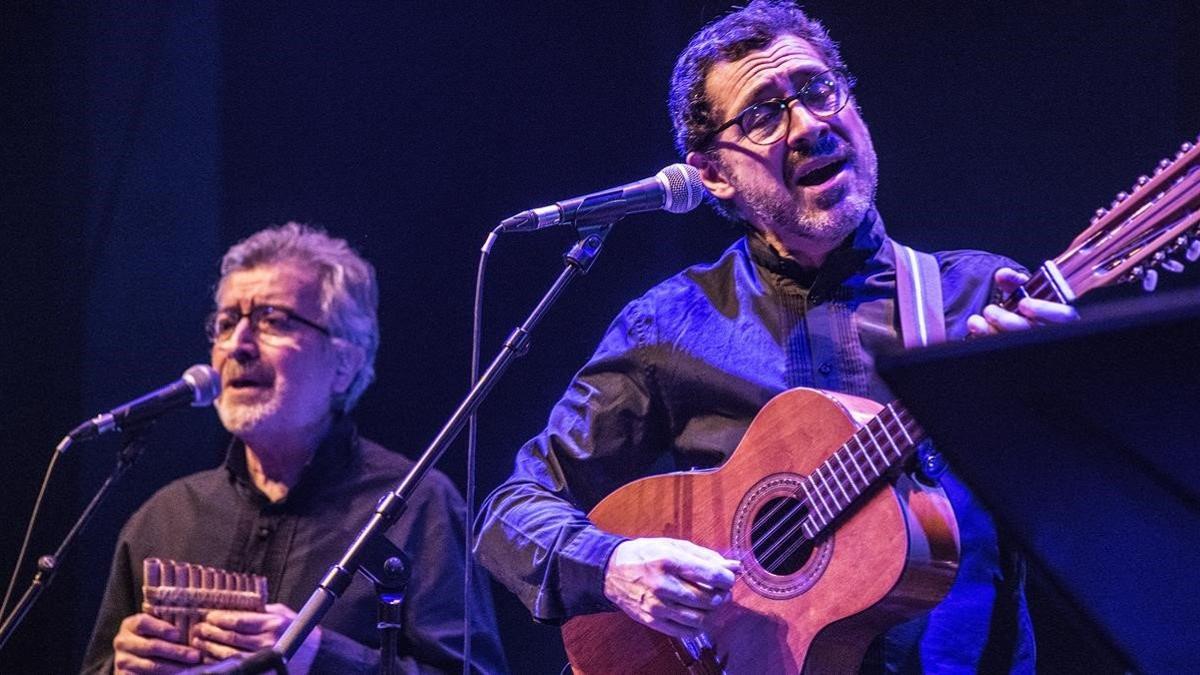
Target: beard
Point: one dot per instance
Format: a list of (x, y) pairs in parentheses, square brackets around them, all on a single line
[(242, 419), (830, 215)]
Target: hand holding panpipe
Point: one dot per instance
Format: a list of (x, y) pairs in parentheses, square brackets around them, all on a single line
[(184, 593)]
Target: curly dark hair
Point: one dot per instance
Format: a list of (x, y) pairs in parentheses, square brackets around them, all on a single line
[(729, 38)]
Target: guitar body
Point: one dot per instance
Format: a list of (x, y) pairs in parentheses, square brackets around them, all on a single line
[(888, 558)]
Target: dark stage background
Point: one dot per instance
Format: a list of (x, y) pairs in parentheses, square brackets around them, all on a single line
[(141, 139)]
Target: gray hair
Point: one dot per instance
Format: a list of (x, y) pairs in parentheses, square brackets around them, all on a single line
[(730, 38), (349, 294)]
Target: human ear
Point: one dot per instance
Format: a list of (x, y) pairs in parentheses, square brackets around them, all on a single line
[(711, 175), (350, 359)]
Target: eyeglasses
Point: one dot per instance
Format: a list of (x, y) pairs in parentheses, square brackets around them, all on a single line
[(264, 320), (823, 95)]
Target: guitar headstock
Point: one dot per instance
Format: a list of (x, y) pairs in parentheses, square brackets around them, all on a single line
[(1143, 229)]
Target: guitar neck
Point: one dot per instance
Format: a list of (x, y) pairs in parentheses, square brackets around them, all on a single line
[(875, 449)]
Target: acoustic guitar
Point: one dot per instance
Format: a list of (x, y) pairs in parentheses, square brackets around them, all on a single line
[(837, 543)]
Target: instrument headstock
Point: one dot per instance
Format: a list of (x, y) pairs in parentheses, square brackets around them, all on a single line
[(1149, 227)]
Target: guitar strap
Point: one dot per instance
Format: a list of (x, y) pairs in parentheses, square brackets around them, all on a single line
[(918, 297), (922, 323)]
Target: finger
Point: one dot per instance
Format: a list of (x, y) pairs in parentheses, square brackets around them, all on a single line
[(703, 572), (978, 326), (148, 625), (673, 628), (136, 665), (676, 592), (1004, 320), (216, 650), (685, 616), (1046, 311), (281, 610), (1008, 279), (709, 555), (231, 638), (154, 648), (243, 622)]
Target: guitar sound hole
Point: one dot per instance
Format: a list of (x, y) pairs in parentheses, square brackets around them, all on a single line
[(778, 542)]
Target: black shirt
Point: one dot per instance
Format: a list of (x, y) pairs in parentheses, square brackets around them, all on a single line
[(219, 518), (674, 385)]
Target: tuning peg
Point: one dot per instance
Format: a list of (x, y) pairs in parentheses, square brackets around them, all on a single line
[(1162, 166), (1193, 251), (1141, 181), (1149, 280), (1172, 265)]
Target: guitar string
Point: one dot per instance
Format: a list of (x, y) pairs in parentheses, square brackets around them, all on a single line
[(799, 541), (855, 460), (790, 535), (756, 532), (883, 425)]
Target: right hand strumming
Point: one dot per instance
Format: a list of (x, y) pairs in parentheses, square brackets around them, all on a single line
[(670, 585)]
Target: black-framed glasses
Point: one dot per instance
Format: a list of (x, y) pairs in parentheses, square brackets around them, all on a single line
[(823, 95), (271, 320)]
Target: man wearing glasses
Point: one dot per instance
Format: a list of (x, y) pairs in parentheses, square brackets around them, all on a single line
[(294, 336), (762, 107)]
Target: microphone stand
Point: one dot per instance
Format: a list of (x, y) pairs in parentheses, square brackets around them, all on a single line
[(132, 443), (577, 261)]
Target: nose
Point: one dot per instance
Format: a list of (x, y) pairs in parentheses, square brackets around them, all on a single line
[(805, 130), (243, 342)]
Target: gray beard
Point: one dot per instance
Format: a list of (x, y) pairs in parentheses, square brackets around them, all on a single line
[(830, 219), (240, 419)]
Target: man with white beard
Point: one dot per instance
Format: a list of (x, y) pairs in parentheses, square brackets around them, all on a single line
[(294, 335)]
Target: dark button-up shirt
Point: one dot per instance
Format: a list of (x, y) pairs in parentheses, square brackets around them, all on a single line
[(674, 384), (219, 518)]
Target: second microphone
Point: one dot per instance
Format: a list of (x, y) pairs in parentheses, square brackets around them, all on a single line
[(676, 189)]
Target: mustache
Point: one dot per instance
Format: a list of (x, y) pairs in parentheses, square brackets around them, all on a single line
[(254, 370), (826, 146)]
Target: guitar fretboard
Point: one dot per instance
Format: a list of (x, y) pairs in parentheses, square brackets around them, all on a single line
[(879, 445)]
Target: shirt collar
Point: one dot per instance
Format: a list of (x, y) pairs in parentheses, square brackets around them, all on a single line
[(337, 450), (863, 244)]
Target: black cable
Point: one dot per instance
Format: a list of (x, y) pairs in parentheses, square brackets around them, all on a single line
[(37, 505), (472, 440)]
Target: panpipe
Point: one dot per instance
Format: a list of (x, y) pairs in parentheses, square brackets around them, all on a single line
[(184, 593)]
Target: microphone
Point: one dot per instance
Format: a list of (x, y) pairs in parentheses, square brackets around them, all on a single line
[(676, 188), (198, 386)]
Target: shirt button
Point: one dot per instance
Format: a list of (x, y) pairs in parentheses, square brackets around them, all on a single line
[(825, 368), (264, 532)]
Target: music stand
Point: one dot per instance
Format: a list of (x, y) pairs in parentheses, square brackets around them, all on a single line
[(1081, 440)]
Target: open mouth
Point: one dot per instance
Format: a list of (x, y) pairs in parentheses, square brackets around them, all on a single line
[(821, 174), (245, 383)]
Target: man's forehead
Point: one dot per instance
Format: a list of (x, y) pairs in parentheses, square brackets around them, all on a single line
[(731, 82), (284, 281)]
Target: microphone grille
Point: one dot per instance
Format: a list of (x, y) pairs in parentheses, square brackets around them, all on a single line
[(205, 384), (684, 189)]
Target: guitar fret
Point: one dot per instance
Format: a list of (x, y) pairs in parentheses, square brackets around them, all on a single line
[(903, 426), (831, 494), (839, 482), (809, 528), (891, 441), (875, 442), (867, 454), (850, 456), (816, 510)]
